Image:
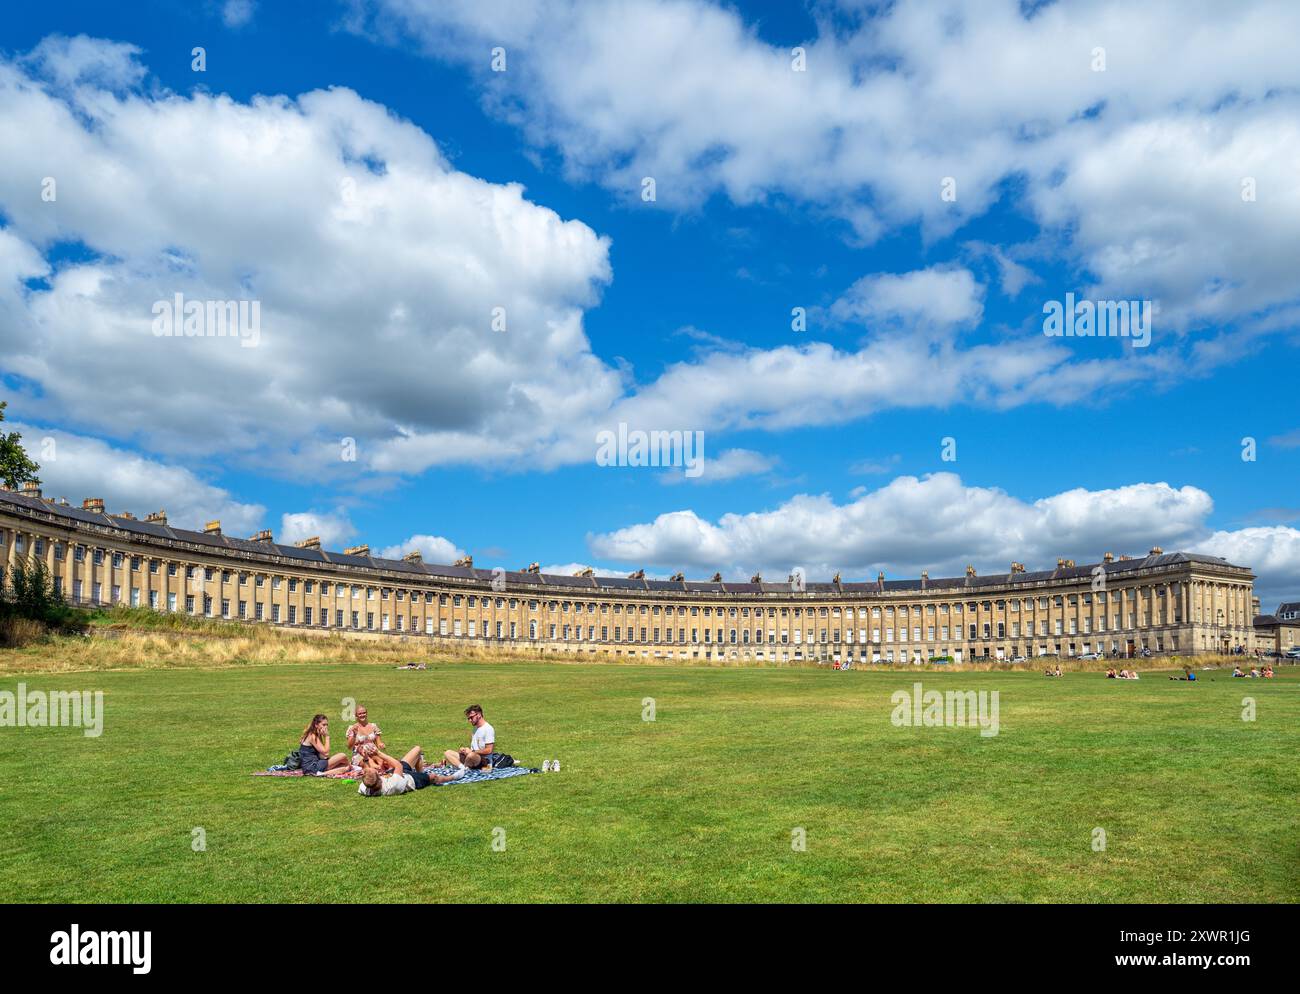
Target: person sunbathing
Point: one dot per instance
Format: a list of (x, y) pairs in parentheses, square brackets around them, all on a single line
[(314, 749), (387, 777)]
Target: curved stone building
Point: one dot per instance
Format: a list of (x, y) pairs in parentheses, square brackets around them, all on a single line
[(1162, 602)]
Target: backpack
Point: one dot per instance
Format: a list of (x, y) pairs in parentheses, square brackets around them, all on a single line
[(501, 760), (293, 761)]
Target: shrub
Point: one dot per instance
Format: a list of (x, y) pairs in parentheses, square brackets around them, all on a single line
[(15, 633)]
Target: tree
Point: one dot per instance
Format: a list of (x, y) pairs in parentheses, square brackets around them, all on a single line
[(15, 466)]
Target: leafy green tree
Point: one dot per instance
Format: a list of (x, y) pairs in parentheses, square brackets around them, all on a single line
[(16, 468)]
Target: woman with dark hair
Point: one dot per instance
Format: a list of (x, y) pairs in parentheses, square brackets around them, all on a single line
[(314, 749)]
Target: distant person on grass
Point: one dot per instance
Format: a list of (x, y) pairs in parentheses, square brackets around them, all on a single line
[(390, 777), (482, 741), (314, 749)]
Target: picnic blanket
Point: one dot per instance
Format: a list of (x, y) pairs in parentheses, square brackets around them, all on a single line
[(280, 771), (475, 776)]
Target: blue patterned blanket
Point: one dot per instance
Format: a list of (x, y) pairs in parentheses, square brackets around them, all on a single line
[(475, 776)]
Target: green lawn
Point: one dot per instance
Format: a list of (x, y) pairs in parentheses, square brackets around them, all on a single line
[(698, 805)]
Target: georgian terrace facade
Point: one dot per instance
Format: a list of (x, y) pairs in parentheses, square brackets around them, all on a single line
[(1164, 602)]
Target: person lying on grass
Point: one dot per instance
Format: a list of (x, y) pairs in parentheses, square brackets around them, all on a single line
[(363, 732), (482, 741), (410, 774), (314, 748)]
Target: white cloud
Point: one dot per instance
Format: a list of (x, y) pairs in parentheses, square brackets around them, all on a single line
[(371, 257), (434, 549), (75, 466), (935, 298), (67, 62), (332, 528), (934, 522), (727, 465), (1136, 168), (1272, 552), (939, 524)]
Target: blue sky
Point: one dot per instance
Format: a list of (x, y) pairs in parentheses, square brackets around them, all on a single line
[(777, 188)]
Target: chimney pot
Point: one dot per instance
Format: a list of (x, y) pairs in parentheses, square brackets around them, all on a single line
[(1157, 551), (212, 527), (31, 489), (263, 536), (357, 550), (159, 517), (413, 556), (309, 543), (1108, 557)]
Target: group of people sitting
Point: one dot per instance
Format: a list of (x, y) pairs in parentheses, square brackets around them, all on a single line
[(1121, 675), (382, 775), (1255, 671), (1050, 671)]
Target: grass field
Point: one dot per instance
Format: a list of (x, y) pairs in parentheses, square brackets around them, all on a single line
[(698, 805)]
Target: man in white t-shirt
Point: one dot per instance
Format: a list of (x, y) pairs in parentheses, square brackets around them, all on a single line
[(482, 740)]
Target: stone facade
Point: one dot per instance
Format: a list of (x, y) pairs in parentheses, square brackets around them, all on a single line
[(1164, 602)]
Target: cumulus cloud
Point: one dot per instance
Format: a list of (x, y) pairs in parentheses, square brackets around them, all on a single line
[(938, 298), (383, 274), (379, 270), (75, 466), (434, 549), (332, 528), (1138, 167), (1272, 552), (938, 523)]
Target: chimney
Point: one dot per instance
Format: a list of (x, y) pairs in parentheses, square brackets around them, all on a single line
[(970, 571), (413, 557), (1124, 559), (357, 550), (32, 489), (466, 561), (158, 517), (1069, 564), (585, 571), (756, 578), (1108, 558), (836, 579), (263, 536), (95, 504), (925, 579), (1017, 568), (309, 543), (533, 568), (128, 515), (212, 527), (1060, 564), (1157, 551), (717, 577), (679, 577), (638, 575), (880, 582)]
